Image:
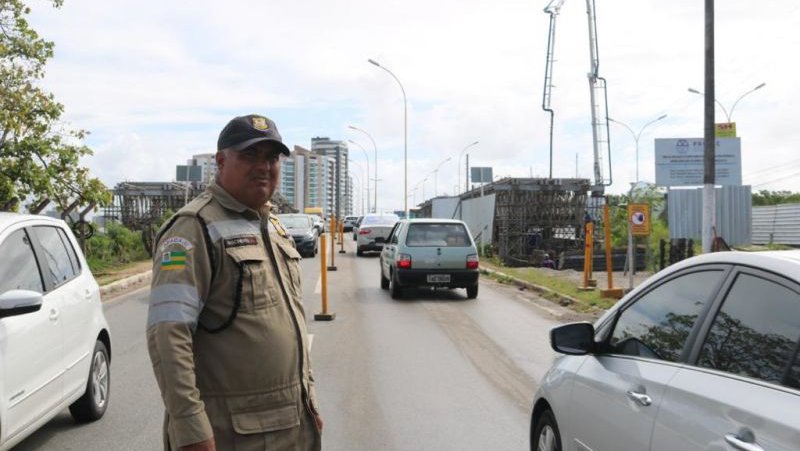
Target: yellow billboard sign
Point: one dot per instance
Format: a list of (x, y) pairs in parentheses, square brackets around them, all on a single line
[(725, 130), (639, 219)]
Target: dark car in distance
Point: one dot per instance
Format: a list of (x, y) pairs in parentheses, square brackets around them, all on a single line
[(302, 229)]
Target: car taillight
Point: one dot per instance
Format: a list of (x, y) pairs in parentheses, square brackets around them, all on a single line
[(472, 261), (404, 261), (364, 231)]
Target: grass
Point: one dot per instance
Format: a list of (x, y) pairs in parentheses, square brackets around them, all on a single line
[(114, 273), (560, 289)]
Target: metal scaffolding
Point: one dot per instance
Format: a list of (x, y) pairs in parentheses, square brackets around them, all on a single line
[(537, 215)]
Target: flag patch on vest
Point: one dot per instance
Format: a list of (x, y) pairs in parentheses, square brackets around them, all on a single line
[(171, 261)]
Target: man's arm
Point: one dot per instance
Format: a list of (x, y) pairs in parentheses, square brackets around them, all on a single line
[(181, 275)]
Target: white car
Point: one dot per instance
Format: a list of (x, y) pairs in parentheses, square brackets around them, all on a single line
[(703, 355), (55, 347), (373, 231)]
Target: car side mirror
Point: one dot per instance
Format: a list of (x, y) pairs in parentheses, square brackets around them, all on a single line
[(20, 302), (380, 239), (573, 339)]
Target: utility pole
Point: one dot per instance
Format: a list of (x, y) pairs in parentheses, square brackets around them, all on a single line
[(709, 140)]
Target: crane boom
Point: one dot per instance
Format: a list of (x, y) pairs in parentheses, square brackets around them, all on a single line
[(553, 9), (598, 96)]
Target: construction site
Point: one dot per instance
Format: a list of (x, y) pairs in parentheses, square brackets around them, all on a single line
[(141, 206)]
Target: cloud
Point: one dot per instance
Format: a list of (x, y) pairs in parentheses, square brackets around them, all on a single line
[(155, 81)]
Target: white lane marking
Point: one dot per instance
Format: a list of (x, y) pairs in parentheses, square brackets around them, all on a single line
[(318, 288), (310, 341)]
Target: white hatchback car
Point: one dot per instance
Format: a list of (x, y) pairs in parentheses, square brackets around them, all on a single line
[(703, 355), (55, 347)]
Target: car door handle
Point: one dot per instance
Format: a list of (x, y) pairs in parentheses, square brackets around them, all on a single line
[(641, 398), (88, 295), (735, 441), (54, 314)]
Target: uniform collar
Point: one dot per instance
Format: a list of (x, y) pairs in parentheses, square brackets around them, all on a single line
[(227, 201)]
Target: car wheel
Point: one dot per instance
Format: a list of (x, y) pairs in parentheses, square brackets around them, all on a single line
[(359, 252), (546, 436), (472, 292), (384, 281), (92, 405), (394, 288)]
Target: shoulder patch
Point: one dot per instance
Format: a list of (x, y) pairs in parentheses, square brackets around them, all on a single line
[(176, 240)]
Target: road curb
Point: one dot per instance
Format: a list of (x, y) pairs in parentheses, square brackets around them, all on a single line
[(126, 283), (559, 307)]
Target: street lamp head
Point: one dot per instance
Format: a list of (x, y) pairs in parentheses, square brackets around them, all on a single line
[(610, 119), (373, 62), (661, 117), (694, 91), (760, 86)]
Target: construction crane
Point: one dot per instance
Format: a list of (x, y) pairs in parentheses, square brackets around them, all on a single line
[(552, 8), (598, 96)]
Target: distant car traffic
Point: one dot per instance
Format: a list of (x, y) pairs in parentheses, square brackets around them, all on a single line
[(373, 231), (429, 253), (703, 355), (55, 348), (349, 221), (302, 229)]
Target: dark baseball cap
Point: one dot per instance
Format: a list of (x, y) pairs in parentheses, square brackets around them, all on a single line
[(244, 131)]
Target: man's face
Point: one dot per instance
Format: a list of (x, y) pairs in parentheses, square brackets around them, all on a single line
[(250, 175)]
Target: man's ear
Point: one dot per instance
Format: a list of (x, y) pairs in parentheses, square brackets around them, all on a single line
[(220, 158)]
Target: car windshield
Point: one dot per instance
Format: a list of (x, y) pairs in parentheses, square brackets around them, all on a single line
[(439, 235), (296, 222), (380, 220)]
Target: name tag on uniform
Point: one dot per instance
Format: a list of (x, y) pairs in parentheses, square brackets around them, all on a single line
[(240, 241)]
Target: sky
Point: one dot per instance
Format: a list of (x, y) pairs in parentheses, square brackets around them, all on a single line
[(154, 82)]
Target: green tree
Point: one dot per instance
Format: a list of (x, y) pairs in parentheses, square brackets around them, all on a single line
[(39, 155), (765, 197)]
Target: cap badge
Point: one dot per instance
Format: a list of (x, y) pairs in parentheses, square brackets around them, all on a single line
[(260, 123)]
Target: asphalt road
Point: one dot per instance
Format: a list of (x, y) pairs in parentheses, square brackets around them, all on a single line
[(434, 371)]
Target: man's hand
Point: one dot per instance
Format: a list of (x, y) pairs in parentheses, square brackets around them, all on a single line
[(318, 420), (207, 445)]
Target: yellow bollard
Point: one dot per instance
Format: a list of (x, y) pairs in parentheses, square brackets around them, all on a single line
[(341, 237), (587, 258), (323, 274), (332, 266), (609, 292)]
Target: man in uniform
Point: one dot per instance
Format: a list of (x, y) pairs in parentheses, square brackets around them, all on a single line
[(226, 328)]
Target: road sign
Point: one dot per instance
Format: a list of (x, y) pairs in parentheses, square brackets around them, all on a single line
[(680, 162), (639, 219), (481, 174)]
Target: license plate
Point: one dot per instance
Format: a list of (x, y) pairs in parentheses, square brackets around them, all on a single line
[(438, 278)]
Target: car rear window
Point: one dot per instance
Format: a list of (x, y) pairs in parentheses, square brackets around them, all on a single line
[(296, 222), (438, 235), (380, 220)]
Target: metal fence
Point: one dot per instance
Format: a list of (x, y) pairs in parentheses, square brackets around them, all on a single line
[(734, 213), (778, 224)]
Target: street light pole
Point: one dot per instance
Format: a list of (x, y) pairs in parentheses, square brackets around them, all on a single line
[(636, 137), (367, 157), (436, 177), (375, 148), (405, 133), (729, 115), (362, 184), (459, 163)]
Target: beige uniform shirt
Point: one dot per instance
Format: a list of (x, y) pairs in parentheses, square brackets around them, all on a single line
[(253, 376)]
